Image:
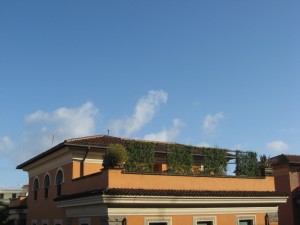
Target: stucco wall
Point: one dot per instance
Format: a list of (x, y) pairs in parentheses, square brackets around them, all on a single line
[(117, 179)]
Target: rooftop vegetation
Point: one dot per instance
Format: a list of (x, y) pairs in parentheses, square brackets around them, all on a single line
[(139, 156)]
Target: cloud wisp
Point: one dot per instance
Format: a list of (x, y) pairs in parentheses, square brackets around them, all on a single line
[(6, 145), (144, 112), (277, 146), (211, 123), (166, 134), (44, 130)]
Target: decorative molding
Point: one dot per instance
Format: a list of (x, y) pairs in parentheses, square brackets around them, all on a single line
[(171, 200), (192, 200), (246, 217), (197, 219), (272, 217), (63, 175), (47, 173), (113, 220), (190, 211), (83, 221), (148, 220)]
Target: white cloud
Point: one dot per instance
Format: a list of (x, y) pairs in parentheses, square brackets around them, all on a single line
[(277, 146), (211, 123), (203, 144), (68, 122), (6, 145), (145, 110), (166, 134), (44, 130)]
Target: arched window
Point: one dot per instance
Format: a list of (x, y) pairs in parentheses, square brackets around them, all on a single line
[(46, 185), (58, 181), (36, 187)]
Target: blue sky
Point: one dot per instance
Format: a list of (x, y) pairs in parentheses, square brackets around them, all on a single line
[(212, 73)]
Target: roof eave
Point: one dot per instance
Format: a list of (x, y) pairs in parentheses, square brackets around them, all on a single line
[(43, 154)]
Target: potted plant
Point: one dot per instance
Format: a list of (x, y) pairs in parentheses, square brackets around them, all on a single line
[(115, 157), (265, 165)]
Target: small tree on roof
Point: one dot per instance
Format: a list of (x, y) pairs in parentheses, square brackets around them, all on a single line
[(115, 156)]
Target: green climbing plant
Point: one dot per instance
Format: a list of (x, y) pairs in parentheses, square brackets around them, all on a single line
[(246, 164), (179, 159), (215, 161), (140, 156)]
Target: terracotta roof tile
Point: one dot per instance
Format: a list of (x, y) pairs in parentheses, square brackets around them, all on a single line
[(283, 159), (172, 193), (105, 140)]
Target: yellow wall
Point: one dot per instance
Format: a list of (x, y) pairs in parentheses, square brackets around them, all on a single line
[(228, 219), (117, 179)]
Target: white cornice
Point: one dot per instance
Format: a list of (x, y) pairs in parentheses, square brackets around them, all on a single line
[(189, 211), (192, 200), (171, 200)]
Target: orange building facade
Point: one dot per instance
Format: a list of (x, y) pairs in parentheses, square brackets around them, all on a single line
[(287, 178), (69, 186)]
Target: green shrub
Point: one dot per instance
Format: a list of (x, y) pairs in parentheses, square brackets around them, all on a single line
[(116, 155)]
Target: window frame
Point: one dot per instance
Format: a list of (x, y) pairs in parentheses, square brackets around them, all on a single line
[(58, 185), (57, 222), (46, 188), (197, 219), (148, 220), (35, 187), (34, 222), (246, 217), (45, 222), (83, 221)]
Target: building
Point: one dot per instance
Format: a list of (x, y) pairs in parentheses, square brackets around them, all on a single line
[(18, 208), (69, 186), (286, 169), (10, 193)]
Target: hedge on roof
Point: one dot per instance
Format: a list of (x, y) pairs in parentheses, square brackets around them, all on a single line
[(140, 156), (215, 161), (116, 155), (179, 159), (246, 164)]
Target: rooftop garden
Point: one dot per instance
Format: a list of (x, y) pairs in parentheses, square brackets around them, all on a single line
[(142, 156)]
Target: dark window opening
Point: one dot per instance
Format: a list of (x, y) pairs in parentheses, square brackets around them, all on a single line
[(46, 186), (158, 223), (204, 223), (245, 222), (59, 181), (46, 193), (35, 189)]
